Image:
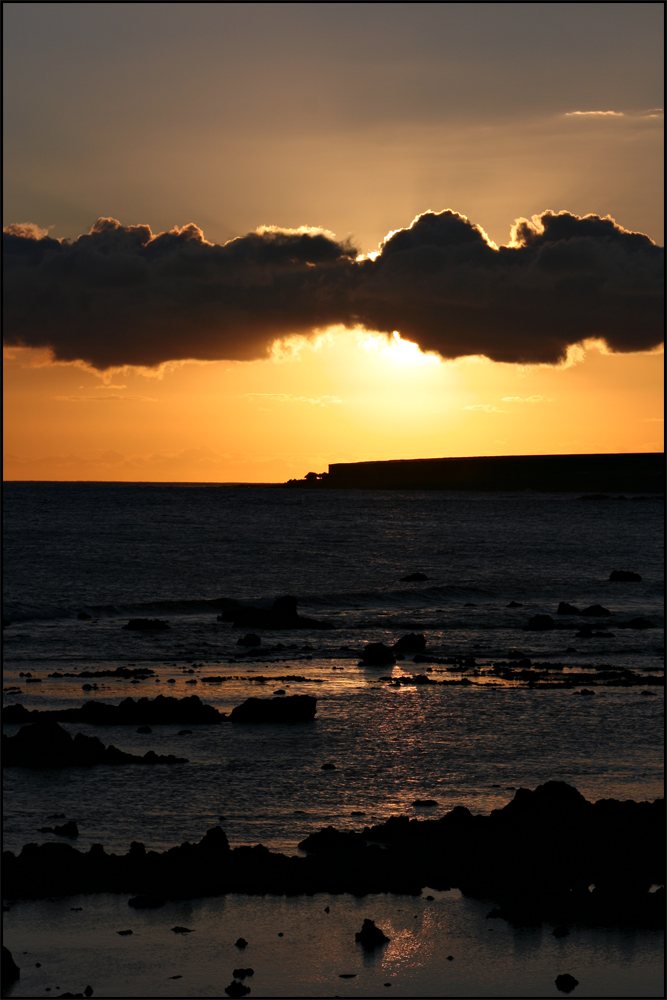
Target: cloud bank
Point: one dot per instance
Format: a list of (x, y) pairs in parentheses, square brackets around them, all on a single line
[(122, 296)]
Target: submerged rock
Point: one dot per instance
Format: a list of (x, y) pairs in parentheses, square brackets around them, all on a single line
[(622, 575), (540, 623), (295, 708), (46, 744), (236, 989), (370, 936), (283, 615), (636, 623), (414, 578), (567, 609), (147, 625), (376, 654), (596, 611), (249, 640)]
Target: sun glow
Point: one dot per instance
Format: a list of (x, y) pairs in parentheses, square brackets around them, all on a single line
[(401, 352)]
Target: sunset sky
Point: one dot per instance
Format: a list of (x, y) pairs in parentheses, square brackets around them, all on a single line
[(350, 120)]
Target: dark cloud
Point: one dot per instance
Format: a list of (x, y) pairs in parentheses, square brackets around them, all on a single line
[(120, 295)]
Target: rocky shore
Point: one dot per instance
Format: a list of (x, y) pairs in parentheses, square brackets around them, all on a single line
[(548, 855), (46, 744)]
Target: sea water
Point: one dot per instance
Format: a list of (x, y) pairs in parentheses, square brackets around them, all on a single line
[(117, 551)]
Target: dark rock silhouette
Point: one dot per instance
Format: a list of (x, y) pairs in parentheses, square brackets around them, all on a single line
[(128, 673), (236, 989), (540, 623), (162, 710), (567, 609), (376, 654), (295, 708), (566, 983), (514, 604), (370, 936), (241, 942), (328, 767), (82, 616), (414, 578), (534, 859), (622, 575), (147, 625), (243, 973), (283, 615), (10, 970), (595, 611), (181, 930), (410, 643), (249, 640), (46, 744), (424, 803), (635, 623), (66, 830), (124, 933)]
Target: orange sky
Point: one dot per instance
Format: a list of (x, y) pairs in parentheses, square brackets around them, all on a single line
[(233, 116)]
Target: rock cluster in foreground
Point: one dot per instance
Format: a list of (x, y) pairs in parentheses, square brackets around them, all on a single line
[(162, 710), (536, 858), (46, 744)]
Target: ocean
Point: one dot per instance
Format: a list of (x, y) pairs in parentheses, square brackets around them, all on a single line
[(81, 559)]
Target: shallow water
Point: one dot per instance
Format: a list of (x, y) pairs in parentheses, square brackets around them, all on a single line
[(116, 551), (490, 959)]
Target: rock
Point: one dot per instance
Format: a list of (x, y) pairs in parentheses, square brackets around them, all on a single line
[(567, 609), (181, 930), (144, 729), (242, 973), (560, 931), (514, 604), (83, 617), (184, 732), (469, 604), (45, 744), (241, 943), (596, 611), (147, 625), (586, 692), (370, 936), (66, 830), (376, 654), (88, 992), (162, 710), (295, 708), (124, 933), (249, 640), (424, 803), (566, 983), (347, 975), (623, 576), (410, 643), (236, 989), (146, 902), (540, 623), (328, 767), (10, 970), (633, 623), (283, 615), (414, 578), (429, 898), (280, 691)]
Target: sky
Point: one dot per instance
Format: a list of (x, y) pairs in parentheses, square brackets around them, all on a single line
[(379, 299)]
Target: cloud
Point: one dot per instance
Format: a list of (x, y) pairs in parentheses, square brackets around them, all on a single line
[(595, 114), (120, 296), (285, 397), (527, 399), (104, 399), (485, 408)]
